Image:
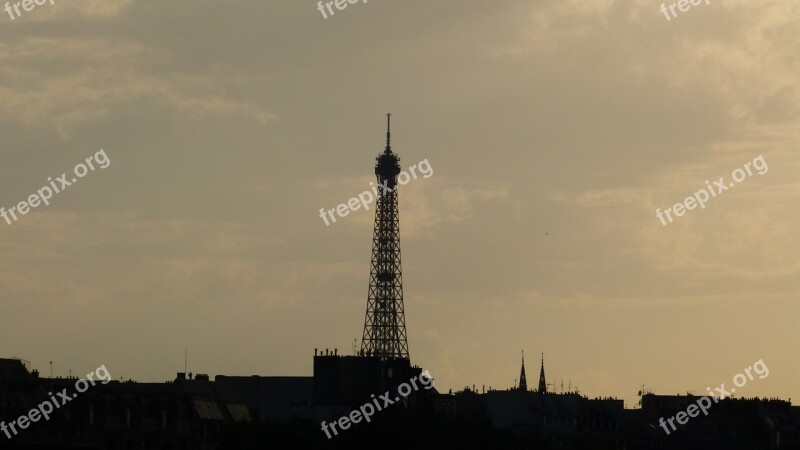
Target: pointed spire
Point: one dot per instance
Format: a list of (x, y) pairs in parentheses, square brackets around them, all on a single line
[(523, 382), (542, 383), (388, 133)]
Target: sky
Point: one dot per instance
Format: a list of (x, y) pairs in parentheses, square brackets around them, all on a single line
[(555, 130)]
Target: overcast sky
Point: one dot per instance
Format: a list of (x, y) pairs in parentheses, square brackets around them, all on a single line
[(554, 129)]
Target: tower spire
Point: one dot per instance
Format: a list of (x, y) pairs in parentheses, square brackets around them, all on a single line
[(523, 382), (542, 383), (388, 133)]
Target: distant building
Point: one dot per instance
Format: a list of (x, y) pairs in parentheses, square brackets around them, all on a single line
[(342, 383), (273, 399), (181, 415)]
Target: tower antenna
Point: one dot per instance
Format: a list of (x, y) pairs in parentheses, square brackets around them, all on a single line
[(388, 133)]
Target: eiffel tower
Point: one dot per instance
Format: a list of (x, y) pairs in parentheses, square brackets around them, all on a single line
[(385, 324)]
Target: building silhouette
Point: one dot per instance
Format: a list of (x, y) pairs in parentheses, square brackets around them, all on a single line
[(182, 414)]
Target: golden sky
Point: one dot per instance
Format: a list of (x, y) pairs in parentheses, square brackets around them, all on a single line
[(554, 129)]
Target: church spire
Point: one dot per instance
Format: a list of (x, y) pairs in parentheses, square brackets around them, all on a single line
[(542, 383), (523, 383)]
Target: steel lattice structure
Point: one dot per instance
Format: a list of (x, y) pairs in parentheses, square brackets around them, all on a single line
[(385, 324)]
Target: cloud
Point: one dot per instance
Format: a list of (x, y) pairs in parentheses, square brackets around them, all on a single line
[(600, 198), (98, 77), (63, 10)]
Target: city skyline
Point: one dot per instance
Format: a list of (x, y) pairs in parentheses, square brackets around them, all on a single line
[(556, 131)]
